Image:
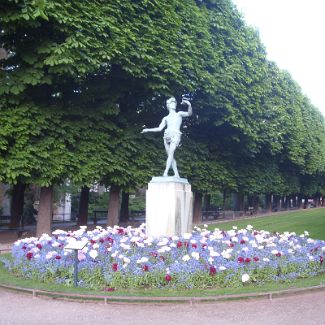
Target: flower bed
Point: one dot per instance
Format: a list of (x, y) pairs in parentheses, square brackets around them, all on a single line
[(126, 258)]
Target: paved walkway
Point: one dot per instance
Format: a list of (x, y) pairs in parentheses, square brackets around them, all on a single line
[(309, 308)]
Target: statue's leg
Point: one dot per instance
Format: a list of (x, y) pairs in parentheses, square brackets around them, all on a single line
[(170, 159), (174, 166)]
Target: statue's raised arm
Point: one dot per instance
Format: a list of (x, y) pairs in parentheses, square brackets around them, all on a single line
[(189, 109), (172, 135)]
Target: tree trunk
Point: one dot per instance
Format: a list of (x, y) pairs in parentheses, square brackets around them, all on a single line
[(239, 201), (197, 209), (17, 205), (124, 216), (256, 202), (224, 199), (113, 206), (268, 202), (45, 211), (206, 203), (83, 206)]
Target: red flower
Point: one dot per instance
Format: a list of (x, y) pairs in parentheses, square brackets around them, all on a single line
[(231, 245), (162, 258), (194, 245), (29, 255), (168, 277), (92, 241), (120, 231), (240, 259), (39, 246), (145, 268), (321, 260), (109, 239), (114, 267), (256, 259), (242, 242), (179, 244), (24, 247), (57, 257), (212, 270), (101, 240), (204, 246), (278, 254), (247, 260), (109, 289), (255, 233), (186, 243)]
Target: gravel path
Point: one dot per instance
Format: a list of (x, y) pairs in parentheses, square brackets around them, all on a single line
[(308, 308)]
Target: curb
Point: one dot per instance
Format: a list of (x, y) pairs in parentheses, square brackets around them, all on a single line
[(155, 300)]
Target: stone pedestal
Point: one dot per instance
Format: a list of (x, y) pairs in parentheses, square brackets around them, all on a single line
[(169, 206)]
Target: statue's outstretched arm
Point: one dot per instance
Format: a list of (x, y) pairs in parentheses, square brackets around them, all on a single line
[(158, 129)]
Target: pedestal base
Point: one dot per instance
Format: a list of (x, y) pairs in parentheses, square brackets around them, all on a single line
[(169, 206)]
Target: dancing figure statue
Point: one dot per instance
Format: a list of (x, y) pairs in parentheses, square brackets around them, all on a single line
[(172, 135)]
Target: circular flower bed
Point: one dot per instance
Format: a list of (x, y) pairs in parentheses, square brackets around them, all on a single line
[(126, 258)]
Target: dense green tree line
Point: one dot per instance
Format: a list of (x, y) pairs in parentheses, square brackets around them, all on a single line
[(79, 80)]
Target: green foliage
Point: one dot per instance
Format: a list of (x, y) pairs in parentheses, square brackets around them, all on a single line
[(81, 78)]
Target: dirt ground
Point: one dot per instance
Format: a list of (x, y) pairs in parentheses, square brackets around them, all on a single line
[(308, 308)]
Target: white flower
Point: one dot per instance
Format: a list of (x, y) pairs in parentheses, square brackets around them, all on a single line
[(290, 251), (265, 259), (56, 232), (234, 227), (306, 233), (232, 233), (173, 245), (245, 277), (126, 260), (49, 255), (186, 258), (225, 255), (311, 258), (143, 260), (175, 238), (195, 255), (126, 247), (205, 225), (93, 253), (274, 251), (187, 236), (222, 268), (210, 260), (95, 246), (323, 249), (213, 253), (249, 227), (310, 241)]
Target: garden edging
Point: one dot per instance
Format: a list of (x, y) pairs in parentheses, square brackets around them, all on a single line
[(156, 299)]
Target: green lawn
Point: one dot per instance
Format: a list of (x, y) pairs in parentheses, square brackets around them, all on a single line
[(312, 220)]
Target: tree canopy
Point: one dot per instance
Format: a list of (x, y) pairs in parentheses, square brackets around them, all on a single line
[(79, 80)]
